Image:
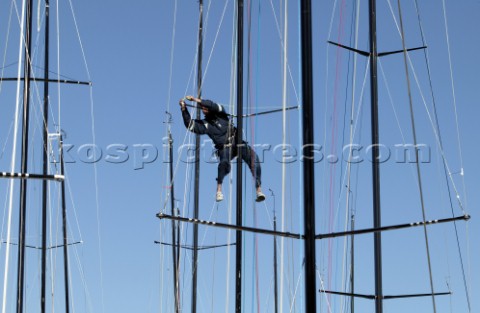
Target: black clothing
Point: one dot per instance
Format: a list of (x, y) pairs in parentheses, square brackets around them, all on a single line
[(220, 129), (216, 124), (248, 156)]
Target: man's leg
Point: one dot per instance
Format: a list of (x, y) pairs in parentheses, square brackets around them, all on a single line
[(250, 157), (223, 169)]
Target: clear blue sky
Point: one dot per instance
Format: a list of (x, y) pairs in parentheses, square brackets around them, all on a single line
[(137, 75)]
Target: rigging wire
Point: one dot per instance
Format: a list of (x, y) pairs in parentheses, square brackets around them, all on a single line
[(438, 138), (297, 96), (467, 291), (7, 36), (348, 210), (167, 182), (454, 98), (419, 176), (14, 148), (12, 166), (439, 134), (214, 42), (93, 134), (436, 130)]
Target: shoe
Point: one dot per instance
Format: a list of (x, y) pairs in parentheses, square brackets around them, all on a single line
[(260, 196), (219, 196)]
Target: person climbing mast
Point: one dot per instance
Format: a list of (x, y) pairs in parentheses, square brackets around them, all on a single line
[(220, 129)]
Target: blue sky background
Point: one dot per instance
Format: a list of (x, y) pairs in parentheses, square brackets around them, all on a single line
[(140, 65)]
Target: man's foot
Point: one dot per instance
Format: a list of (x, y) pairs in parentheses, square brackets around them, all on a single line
[(219, 196), (260, 196)]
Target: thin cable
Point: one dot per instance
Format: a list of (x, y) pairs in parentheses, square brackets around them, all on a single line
[(297, 96), (419, 176), (95, 170), (349, 163), (6, 45), (436, 132), (172, 54), (214, 43), (467, 291)]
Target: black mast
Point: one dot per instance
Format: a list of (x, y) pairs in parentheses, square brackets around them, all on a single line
[(197, 162), (275, 280), (377, 222), (65, 235), (175, 248), (24, 166), (308, 164), (45, 157), (352, 265), (238, 263)]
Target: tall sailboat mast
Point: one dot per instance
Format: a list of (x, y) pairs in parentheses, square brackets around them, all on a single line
[(377, 221), (175, 245), (197, 162), (64, 226), (308, 164), (24, 159), (239, 198), (45, 155)]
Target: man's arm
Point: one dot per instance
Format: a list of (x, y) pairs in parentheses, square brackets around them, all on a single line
[(209, 104), (196, 126)]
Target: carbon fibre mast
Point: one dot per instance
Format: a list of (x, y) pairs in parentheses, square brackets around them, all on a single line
[(46, 177), (239, 199), (197, 161), (24, 160)]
